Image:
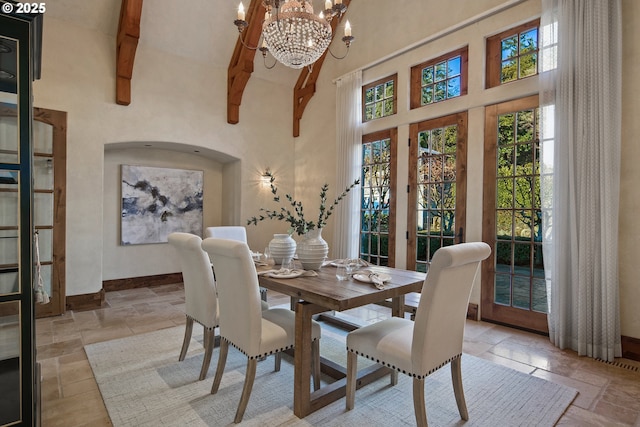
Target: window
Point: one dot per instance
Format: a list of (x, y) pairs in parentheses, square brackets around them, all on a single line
[(379, 98), (439, 79), (377, 197), (513, 54)]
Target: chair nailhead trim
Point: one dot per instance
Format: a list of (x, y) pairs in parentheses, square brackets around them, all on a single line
[(259, 356), (200, 323), (418, 376)]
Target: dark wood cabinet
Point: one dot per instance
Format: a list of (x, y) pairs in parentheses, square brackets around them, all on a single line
[(19, 377)]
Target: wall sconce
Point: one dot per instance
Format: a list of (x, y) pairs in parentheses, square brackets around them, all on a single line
[(265, 178)]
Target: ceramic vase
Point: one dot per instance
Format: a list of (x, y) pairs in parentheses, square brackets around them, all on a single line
[(312, 250), (282, 246)]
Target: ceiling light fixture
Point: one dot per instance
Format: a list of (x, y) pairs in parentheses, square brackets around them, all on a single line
[(293, 34)]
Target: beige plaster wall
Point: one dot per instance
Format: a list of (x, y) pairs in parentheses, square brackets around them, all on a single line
[(173, 100), (630, 172)]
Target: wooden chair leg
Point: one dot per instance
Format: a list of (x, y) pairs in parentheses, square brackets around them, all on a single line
[(315, 361), (394, 377), (456, 378), (246, 390), (222, 360), (418, 402), (188, 330), (352, 370), (277, 361), (208, 350)]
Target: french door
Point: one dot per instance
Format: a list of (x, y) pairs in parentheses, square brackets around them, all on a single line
[(49, 171), (437, 187), (513, 285), (378, 197)]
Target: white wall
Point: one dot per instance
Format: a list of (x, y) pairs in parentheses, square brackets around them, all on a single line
[(173, 100)]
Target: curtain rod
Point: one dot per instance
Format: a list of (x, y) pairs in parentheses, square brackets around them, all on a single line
[(490, 12)]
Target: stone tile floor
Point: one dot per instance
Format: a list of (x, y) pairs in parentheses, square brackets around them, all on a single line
[(609, 394)]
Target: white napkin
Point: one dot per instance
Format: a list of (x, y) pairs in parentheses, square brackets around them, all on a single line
[(377, 281)]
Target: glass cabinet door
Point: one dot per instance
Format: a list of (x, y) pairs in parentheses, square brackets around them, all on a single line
[(10, 285), (17, 342)]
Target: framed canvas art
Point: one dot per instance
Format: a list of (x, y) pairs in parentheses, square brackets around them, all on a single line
[(159, 201)]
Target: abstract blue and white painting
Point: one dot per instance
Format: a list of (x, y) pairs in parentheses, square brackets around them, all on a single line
[(159, 201)]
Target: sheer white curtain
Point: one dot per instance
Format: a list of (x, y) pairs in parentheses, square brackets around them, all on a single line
[(348, 141), (580, 176)]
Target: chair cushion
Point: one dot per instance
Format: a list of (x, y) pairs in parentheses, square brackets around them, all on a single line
[(278, 331), (387, 342)]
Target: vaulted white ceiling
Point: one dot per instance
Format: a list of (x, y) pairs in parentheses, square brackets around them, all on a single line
[(198, 30)]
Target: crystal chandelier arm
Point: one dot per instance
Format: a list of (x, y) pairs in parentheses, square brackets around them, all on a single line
[(249, 30), (264, 49), (347, 41)]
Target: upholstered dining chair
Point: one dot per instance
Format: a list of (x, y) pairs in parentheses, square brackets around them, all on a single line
[(256, 333), (200, 293), (233, 232), (230, 232), (419, 348)]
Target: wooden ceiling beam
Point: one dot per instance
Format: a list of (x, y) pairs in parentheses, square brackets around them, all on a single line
[(126, 45), (241, 64), (305, 87)]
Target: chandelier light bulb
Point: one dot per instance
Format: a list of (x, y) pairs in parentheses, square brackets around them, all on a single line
[(347, 29), (241, 13)]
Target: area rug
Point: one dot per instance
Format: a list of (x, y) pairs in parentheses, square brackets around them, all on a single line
[(143, 384)]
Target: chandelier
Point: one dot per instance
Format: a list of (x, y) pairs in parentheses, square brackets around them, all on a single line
[(293, 34)]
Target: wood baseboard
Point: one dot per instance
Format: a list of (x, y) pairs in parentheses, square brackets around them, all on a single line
[(472, 311), (96, 300), (85, 301), (141, 282), (631, 348)]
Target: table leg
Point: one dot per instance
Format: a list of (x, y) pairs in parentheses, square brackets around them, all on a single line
[(397, 306), (302, 358)]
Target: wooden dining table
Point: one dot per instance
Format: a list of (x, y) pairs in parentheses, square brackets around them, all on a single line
[(312, 295)]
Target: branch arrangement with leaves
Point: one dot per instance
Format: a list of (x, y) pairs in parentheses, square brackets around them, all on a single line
[(293, 212)]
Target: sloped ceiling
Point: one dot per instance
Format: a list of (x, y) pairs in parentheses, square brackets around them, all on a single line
[(198, 30)]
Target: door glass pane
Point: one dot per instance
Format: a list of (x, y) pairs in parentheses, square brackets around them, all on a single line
[(436, 192), (9, 222), (45, 274), (43, 209), (42, 173), (42, 138), (10, 361), (45, 243), (8, 138), (375, 200), (519, 279)]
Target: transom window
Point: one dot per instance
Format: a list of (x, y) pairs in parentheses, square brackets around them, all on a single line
[(439, 79), (513, 54), (379, 98)]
